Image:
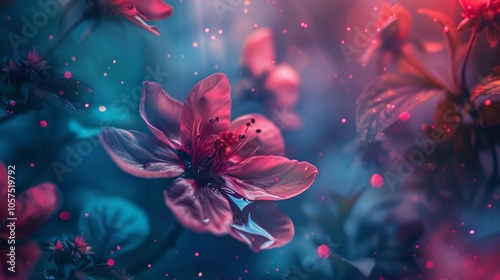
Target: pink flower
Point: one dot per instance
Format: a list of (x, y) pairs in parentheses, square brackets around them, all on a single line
[(226, 172), (140, 11), (474, 8), (32, 209), (276, 86)]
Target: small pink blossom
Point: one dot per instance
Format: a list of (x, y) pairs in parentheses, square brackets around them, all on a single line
[(226, 172), (474, 8), (275, 85), (33, 208)]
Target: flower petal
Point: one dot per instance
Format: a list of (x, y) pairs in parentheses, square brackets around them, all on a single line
[(161, 112), (34, 207), (258, 52), (141, 155), (283, 83), (208, 100), (270, 177), (198, 208), (131, 13), (27, 257), (475, 7), (268, 142), (152, 9), (262, 225)]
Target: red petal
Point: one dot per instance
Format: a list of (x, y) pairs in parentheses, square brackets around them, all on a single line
[(268, 142), (270, 177), (264, 226), (152, 9), (208, 100), (141, 155), (27, 256), (475, 7), (33, 208), (283, 82), (134, 16), (258, 52), (198, 208), (161, 112)]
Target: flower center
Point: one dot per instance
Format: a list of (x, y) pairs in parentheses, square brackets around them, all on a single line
[(211, 153)]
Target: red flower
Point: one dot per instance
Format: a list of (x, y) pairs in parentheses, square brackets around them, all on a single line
[(481, 14), (140, 11), (32, 209), (474, 8), (221, 166), (81, 246), (274, 85)]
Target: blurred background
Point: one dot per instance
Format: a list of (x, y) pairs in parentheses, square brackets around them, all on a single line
[(342, 214)]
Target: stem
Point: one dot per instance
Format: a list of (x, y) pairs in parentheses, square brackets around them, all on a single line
[(472, 40), (168, 243), (90, 11)]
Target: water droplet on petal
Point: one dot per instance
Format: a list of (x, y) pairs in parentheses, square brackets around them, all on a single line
[(206, 220)]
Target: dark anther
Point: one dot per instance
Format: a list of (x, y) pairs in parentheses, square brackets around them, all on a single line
[(242, 136), (210, 120), (258, 130), (217, 119), (252, 120), (248, 124)]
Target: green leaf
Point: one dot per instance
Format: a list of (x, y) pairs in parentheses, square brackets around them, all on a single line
[(112, 222), (51, 274), (382, 102), (106, 272)]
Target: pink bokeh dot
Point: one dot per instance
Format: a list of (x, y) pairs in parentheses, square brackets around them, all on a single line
[(64, 216)]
